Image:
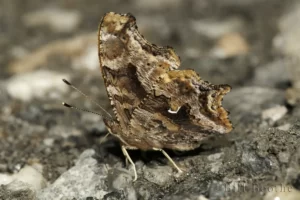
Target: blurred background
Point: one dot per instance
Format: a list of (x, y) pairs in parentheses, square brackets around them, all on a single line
[(252, 45)]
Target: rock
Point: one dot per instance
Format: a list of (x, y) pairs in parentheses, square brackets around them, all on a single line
[(216, 190), (230, 45), (85, 179), (22, 185), (156, 4), (17, 190), (284, 127), (275, 113), (216, 160), (213, 29), (41, 84), (284, 157), (160, 175), (120, 180), (29, 175), (257, 164), (58, 20)]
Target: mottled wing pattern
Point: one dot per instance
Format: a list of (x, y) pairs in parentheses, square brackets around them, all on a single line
[(156, 105)]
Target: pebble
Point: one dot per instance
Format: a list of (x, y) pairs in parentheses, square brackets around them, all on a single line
[(58, 20), (85, 179), (40, 84), (275, 113), (216, 29), (31, 176), (160, 175), (230, 45)]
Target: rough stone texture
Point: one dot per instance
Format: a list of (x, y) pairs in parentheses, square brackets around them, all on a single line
[(85, 179), (17, 190), (261, 153)]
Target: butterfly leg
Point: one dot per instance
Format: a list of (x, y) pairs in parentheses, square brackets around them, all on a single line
[(129, 159), (169, 158)]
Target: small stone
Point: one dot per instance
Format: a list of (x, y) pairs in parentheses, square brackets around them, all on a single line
[(284, 127), (32, 176), (18, 190), (48, 142), (216, 164), (283, 157), (121, 179), (275, 113), (85, 179), (156, 4), (159, 175), (41, 84), (215, 157), (230, 45), (29, 175), (58, 20), (217, 190), (216, 29), (5, 179)]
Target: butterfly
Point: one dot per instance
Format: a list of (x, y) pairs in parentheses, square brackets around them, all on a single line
[(156, 106)]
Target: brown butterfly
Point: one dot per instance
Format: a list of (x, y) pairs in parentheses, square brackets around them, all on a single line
[(156, 106)]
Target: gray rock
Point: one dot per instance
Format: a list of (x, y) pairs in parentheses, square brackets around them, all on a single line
[(213, 29), (120, 181), (160, 175), (17, 190), (217, 190), (85, 179)]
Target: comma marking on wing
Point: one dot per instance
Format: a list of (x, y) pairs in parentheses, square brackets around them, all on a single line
[(155, 105)]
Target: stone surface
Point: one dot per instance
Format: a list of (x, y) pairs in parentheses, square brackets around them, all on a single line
[(160, 175), (85, 179), (39, 84), (17, 190), (275, 113), (58, 20)]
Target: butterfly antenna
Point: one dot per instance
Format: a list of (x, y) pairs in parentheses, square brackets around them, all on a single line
[(81, 109), (87, 97)]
